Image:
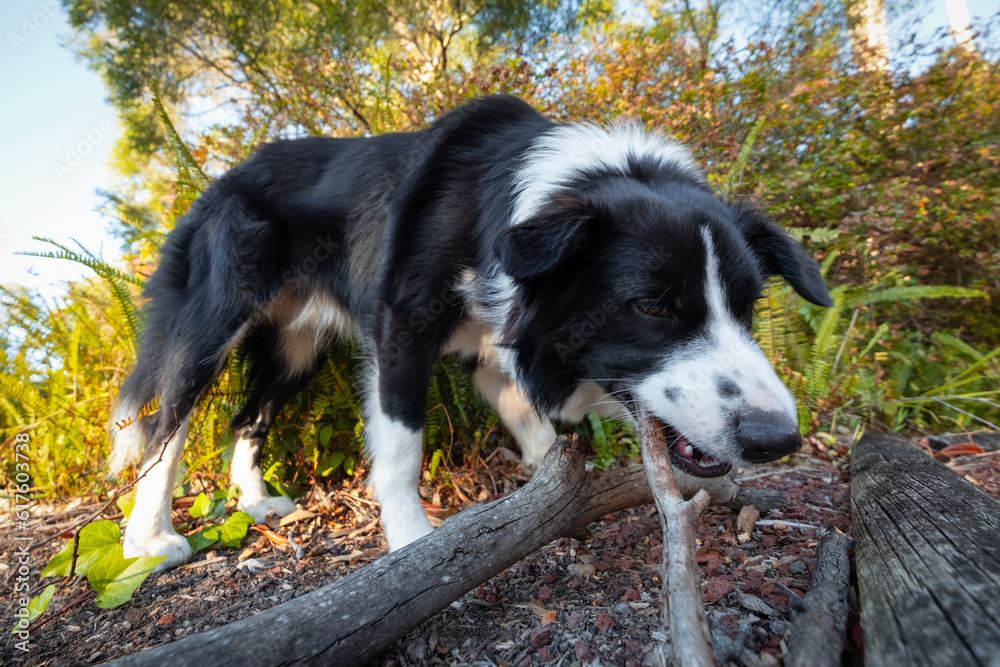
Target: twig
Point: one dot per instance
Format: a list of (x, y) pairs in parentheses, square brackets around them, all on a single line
[(790, 524), (86, 597)]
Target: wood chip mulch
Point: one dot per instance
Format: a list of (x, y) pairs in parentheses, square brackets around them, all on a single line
[(591, 602)]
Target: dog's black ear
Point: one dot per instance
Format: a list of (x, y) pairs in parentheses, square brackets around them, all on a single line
[(535, 248), (781, 255)]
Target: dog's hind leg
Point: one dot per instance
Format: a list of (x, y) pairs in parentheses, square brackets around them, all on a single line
[(280, 367), (150, 531), (192, 359), (534, 435)]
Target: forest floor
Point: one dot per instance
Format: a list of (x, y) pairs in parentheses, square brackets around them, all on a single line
[(591, 602)]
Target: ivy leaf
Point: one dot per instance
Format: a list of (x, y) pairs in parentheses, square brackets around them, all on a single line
[(202, 505), (36, 607), (115, 578), (96, 541), (230, 533), (126, 502)]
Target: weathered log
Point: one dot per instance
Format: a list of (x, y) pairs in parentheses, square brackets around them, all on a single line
[(353, 620), (819, 621), (928, 558)]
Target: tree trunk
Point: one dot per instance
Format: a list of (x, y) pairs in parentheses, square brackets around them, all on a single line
[(869, 35)]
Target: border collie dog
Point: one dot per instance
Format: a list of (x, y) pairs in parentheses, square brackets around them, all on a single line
[(577, 267)]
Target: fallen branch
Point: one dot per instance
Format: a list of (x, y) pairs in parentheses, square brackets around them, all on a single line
[(819, 620), (353, 620), (683, 612)]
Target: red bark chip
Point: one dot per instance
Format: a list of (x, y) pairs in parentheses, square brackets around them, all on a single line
[(715, 589), (582, 652), (544, 592), (167, 619), (630, 595), (540, 636), (604, 622), (771, 592)]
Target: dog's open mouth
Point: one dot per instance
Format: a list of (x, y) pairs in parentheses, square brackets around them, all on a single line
[(683, 455), (686, 456)]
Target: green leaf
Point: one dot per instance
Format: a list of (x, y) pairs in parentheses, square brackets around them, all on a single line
[(199, 541), (230, 533), (115, 578), (328, 464), (97, 540), (325, 434), (202, 506), (126, 502), (36, 607)]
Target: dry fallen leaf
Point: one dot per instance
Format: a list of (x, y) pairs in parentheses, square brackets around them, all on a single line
[(549, 617), (963, 449), (297, 515), (272, 536)]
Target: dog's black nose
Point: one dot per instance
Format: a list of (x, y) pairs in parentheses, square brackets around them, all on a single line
[(766, 436)]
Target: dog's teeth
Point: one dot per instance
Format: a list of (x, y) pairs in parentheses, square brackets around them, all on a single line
[(689, 451)]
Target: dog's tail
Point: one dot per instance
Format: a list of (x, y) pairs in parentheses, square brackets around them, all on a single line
[(135, 415)]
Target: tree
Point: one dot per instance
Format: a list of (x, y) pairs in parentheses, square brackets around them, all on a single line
[(869, 35)]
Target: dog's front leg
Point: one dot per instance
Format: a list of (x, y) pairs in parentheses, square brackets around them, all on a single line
[(395, 410)]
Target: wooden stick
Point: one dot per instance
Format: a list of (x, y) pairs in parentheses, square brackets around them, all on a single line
[(355, 619), (683, 612), (819, 620)]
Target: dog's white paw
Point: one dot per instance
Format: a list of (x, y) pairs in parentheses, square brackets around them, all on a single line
[(175, 547), (399, 535), (258, 508)]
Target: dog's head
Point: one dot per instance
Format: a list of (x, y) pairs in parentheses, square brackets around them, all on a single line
[(646, 285)]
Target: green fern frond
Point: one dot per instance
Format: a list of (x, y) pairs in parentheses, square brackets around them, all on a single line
[(187, 167), (910, 292), (117, 280)]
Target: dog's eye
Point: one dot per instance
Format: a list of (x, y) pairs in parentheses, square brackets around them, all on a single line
[(654, 308)]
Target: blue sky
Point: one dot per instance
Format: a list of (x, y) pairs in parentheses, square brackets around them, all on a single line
[(58, 132), (53, 108)]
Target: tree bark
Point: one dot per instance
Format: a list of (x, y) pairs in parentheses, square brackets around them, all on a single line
[(355, 619), (928, 558), (819, 623)]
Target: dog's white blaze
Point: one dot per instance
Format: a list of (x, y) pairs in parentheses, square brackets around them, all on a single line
[(150, 531), (575, 148), (254, 498), (691, 375), (533, 434), (396, 453)]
